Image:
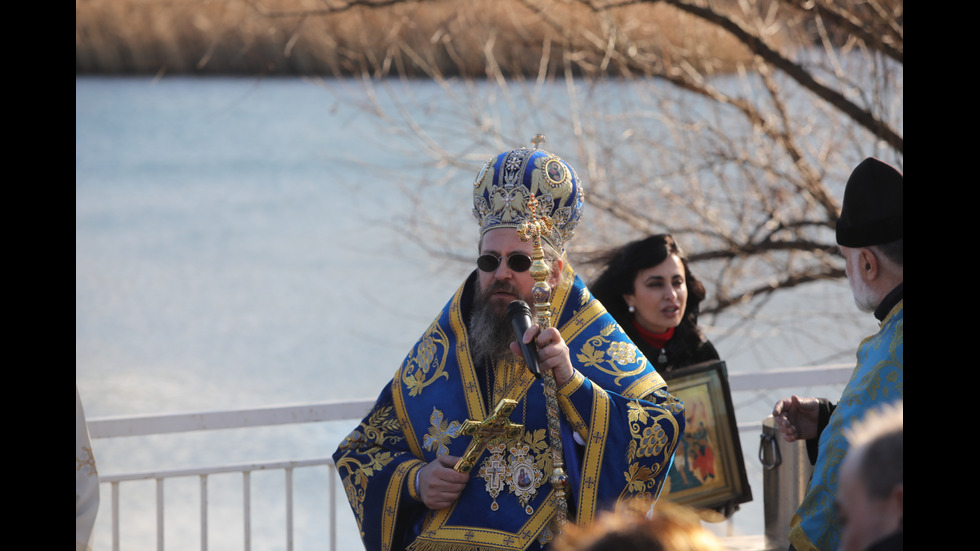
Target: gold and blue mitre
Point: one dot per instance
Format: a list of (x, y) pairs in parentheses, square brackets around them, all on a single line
[(507, 182)]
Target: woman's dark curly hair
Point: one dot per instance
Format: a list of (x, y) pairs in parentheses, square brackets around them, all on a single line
[(622, 265)]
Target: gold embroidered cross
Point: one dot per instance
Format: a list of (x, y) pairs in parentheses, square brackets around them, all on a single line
[(496, 426)]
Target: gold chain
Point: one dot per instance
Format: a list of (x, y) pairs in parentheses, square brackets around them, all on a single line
[(505, 387)]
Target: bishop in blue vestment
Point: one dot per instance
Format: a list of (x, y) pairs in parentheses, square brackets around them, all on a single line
[(618, 425)]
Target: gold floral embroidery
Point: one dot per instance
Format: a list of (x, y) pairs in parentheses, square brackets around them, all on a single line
[(539, 445), (667, 400), (427, 361), (382, 427), (440, 433), (617, 354), (623, 353), (649, 440), (641, 482)]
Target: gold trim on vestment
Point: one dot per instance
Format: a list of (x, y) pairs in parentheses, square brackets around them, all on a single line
[(450, 537), (595, 449), (389, 518), (475, 405)]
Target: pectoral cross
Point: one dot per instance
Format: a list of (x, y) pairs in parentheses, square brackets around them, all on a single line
[(496, 426)]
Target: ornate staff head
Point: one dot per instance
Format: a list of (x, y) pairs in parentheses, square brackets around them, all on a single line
[(533, 228)]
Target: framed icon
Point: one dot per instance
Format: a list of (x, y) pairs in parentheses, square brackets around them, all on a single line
[(709, 469)]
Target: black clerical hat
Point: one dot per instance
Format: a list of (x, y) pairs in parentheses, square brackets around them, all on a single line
[(872, 211)]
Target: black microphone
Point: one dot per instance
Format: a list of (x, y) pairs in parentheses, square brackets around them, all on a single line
[(519, 315)]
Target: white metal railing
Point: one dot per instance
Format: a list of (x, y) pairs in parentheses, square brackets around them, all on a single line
[(143, 425), (246, 470), (790, 377)]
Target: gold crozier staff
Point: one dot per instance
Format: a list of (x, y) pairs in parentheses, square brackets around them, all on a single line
[(532, 230)]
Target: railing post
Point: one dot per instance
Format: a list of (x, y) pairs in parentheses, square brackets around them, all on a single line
[(115, 516), (204, 512), (289, 509), (332, 490), (160, 503), (247, 499)]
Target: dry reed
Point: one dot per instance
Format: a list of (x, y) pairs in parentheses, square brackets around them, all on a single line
[(425, 38)]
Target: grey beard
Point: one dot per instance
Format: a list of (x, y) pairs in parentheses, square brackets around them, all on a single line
[(490, 333)]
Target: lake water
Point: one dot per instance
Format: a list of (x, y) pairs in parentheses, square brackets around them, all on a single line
[(238, 243)]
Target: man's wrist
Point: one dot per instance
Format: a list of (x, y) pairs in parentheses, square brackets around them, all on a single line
[(572, 384), (413, 483)]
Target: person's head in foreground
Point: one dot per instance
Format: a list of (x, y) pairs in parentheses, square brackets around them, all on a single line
[(633, 527), (870, 493)]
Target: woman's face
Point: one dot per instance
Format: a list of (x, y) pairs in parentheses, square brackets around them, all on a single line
[(659, 295)]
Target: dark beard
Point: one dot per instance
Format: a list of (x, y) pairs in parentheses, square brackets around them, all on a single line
[(490, 332)]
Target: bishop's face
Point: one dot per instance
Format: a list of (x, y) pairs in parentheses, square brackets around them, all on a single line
[(504, 285), (490, 331)]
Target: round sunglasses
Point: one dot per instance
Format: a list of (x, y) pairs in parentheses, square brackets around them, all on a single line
[(517, 262)]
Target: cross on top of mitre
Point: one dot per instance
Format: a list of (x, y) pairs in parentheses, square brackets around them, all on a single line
[(536, 225)]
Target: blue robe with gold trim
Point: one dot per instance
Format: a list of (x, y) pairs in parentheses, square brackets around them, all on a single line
[(878, 379), (616, 403)]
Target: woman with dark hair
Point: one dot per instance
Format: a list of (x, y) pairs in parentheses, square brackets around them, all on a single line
[(649, 289)]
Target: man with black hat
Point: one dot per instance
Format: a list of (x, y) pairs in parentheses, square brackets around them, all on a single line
[(869, 233)]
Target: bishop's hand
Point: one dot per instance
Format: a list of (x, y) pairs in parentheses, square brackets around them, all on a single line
[(439, 484), (553, 353)]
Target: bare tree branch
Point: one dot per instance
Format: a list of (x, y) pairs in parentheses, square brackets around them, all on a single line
[(886, 36), (788, 282), (771, 56)]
